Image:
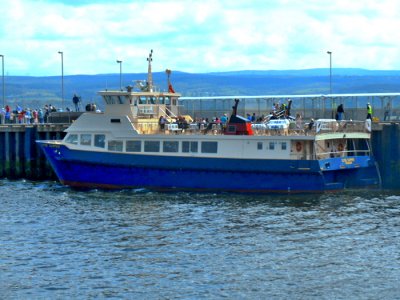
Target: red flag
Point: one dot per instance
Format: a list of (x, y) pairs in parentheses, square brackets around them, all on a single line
[(170, 89)]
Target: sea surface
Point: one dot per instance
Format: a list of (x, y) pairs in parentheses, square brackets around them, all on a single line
[(60, 243)]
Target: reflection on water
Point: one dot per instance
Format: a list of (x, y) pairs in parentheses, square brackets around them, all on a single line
[(61, 243)]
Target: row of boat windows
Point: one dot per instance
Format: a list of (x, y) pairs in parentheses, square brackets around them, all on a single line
[(272, 145), (99, 140), (148, 146), (118, 99)]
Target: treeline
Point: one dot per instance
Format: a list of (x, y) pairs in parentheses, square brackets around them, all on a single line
[(35, 92)]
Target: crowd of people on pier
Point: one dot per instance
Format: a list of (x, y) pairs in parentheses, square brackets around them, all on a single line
[(20, 115), (25, 115)]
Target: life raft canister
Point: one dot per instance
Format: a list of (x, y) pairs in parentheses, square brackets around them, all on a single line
[(299, 147)]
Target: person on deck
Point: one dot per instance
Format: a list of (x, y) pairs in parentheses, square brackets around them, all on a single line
[(162, 122), (299, 121), (224, 120), (310, 125)]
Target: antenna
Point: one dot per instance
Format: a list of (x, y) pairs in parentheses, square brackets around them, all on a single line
[(149, 74)]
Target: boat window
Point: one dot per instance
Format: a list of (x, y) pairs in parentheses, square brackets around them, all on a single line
[(108, 99), (161, 100), (192, 147), (100, 140), (259, 145), (117, 99), (146, 110), (115, 145), (133, 146), (283, 146), (271, 145), (361, 147), (170, 146), (209, 147), (151, 146), (121, 99), (142, 100), (167, 101), (86, 139), (72, 139)]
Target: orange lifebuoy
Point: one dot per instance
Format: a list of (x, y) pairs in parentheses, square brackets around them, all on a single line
[(340, 147), (298, 147)]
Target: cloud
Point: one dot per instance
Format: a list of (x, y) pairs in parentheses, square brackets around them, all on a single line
[(193, 36)]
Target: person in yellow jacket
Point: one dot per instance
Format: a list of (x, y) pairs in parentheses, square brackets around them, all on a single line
[(369, 111)]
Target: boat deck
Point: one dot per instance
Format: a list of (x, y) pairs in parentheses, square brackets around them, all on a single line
[(261, 128)]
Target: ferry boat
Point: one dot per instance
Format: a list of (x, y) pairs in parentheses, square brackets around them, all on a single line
[(126, 147)]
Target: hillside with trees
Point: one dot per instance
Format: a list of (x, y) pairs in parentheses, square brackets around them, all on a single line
[(35, 92)]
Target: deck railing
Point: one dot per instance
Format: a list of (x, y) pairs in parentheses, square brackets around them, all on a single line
[(259, 129)]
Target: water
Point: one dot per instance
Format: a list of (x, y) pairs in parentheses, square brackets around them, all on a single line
[(59, 243)]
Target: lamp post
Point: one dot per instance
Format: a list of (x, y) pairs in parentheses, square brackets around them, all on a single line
[(120, 73), (62, 78), (2, 77), (330, 82), (330, 71)]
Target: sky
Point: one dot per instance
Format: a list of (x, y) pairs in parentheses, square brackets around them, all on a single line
[(197, 36)]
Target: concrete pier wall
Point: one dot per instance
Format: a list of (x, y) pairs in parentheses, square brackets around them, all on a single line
[(386, 149), (20, 156)]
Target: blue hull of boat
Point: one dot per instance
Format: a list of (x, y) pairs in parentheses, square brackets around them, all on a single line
[(119, 171)]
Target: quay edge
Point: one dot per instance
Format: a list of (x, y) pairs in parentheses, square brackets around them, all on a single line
[(20, 156), (386, 150)]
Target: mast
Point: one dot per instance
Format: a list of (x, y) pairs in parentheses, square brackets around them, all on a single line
[(168, 71), (170, 88), (149, 74)]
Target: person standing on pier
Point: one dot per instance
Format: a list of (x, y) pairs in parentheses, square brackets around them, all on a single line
[(76, 101), (340, 112), (35, 116), (27, 116), (8, 115), (41, 116), (387, 112), (369, 111)]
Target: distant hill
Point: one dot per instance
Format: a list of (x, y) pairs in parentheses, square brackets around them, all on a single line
[(35, 92), (314, 72)]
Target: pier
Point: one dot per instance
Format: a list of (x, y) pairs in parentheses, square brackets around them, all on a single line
[(386, 149), (20, 157)]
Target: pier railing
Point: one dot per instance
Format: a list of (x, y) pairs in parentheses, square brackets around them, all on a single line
[(260, 128), (386, 106)]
